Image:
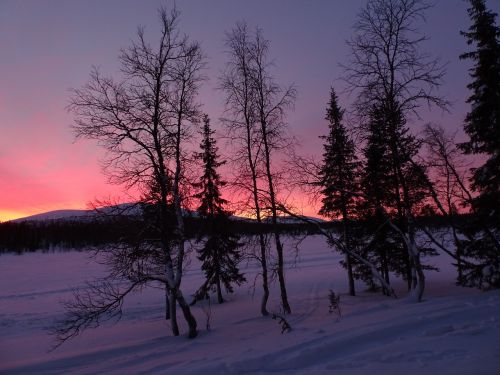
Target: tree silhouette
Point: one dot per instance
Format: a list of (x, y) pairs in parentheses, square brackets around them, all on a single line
[(241, 124), (339, 177), (142, 121), (257, 105), (219, 255), (271, 101), (482, 125), (388, 71)]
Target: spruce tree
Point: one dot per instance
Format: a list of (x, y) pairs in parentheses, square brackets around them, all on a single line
[(482, 123), (387, 68), (219, 255), (378, 186), (338, 177), (211, 201), (392, 182)]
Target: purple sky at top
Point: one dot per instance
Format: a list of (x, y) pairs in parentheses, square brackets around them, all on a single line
[(48, 47)]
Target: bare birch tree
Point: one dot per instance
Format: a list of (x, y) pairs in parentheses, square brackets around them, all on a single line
[(257, 106), (241, 123), (450, 192), (271, 102), (141, 120), (387, 69), (448, 188)]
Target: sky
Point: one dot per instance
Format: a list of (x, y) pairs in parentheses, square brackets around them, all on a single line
[(50, 46)]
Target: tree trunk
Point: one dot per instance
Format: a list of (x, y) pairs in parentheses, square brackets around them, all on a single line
[(281, 275), (191, 321), (263, 249), (219, 291), (263, 253), (173, 313), (408, 271), (419, 278), (402, 198), (265, 286), (458, 254), (420, 287), (272, 197), (414, 276), (352, 290), (347, 243), (385, 269), (167, 304), (176, 293)]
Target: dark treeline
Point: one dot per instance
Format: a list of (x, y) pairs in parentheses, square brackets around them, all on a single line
[(71, 234), (64, 235), (54, 234)]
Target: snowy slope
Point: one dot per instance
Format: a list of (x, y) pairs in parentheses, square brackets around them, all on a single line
[(454, 331), (121, 209), (56, 215)]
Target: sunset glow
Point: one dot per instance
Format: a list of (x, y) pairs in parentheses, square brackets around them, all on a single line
[(52, 48), (11, 215)]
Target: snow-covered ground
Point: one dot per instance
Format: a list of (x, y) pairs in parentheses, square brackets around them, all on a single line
[(454, 331)]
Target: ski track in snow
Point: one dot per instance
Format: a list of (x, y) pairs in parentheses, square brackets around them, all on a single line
[(453, 331)]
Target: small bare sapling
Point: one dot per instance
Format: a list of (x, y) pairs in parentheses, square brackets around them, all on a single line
[(334, 303), (285, 326)]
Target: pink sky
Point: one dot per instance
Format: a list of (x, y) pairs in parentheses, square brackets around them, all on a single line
[(50, 46)]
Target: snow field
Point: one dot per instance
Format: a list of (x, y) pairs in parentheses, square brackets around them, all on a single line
[(454, 331)]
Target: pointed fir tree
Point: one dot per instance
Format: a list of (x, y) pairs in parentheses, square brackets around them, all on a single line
[(338, 177), (378, 185), (392, 181), (482, 125), (219, 255)]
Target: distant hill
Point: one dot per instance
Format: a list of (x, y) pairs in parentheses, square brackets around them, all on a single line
[(56, 215), (75, 215)]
